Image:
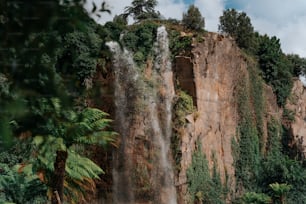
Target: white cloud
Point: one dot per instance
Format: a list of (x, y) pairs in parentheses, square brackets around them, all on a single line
[(171, 8), (167, 8), (282, 18), (211, 10)]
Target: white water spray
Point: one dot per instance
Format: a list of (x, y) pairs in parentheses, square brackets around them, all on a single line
[(130, 87)]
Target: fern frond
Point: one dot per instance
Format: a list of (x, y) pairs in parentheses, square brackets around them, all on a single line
[(91, 128), (92, 114), (98, 138), (80, 174), (79, 167), (78, 191)]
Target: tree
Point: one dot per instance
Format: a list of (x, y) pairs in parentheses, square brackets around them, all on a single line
[(142, 9), (277, 69), (193, 18), (238, 25), (280, 191), (49, 51), (85, 128), (298, 63)]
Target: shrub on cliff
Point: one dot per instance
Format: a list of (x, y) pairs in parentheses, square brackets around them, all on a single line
[(140, 40), (277, 69)]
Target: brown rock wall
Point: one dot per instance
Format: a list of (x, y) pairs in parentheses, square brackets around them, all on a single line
[(217, 63)]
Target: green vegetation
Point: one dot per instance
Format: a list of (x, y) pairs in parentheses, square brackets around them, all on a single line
[(298, 64), (19, 187), (239, 26), (140, 40), (193, 19), (49, 61), (141, 10), (203, 187), (255, 198), (182, 107), (179, 45), (277, 70), (248, 153), (280, 191)]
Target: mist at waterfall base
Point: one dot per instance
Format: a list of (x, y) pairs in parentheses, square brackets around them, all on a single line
[(147, 99)]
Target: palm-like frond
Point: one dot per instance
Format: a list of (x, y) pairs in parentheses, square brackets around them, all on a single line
[(90, 128), (78, 167), (87, 127), (78, 191), (79, 181)]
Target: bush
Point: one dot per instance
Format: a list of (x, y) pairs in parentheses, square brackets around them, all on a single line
[(182, 107), (255, 198), (140, 40), (179, 45)]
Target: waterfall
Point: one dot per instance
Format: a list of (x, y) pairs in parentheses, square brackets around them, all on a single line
[(125, 78), (143, 116), (163, 67)]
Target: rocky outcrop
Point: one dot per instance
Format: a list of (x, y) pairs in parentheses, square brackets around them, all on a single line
[(297, 111), (143, 106), (210, 77)]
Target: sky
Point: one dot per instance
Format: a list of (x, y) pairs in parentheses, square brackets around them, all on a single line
[(285, 19)]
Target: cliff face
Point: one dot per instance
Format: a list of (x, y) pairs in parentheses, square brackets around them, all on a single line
[(297, 109), (214, 69), (143, 99)]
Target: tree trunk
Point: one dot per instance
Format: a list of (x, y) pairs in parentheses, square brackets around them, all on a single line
[(59, 177)]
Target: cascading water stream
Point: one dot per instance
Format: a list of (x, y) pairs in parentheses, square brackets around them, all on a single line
[(131, 89), (163, 68), (125, 78)]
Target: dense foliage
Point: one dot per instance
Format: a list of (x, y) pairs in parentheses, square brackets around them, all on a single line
[(193, 19), (277, 70), (141, 10), (247, 156), (203, 187), (238, 25), (140, 40), (50, 53), (267, 168)]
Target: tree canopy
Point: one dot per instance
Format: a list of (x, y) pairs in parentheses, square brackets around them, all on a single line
[(277, 69), (193, 18), (239, 26), (142, 9), (50, 52)]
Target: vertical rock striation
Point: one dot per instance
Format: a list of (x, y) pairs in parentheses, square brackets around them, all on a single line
[(212, 73)]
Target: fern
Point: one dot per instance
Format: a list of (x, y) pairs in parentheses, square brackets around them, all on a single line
[(90, 128), (20, 187), (78, 167)]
